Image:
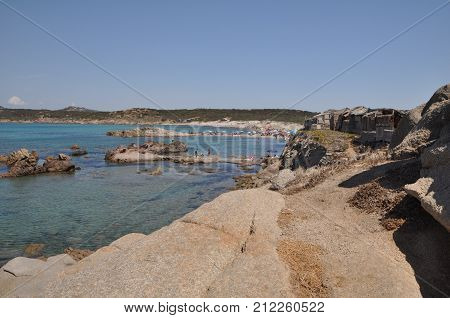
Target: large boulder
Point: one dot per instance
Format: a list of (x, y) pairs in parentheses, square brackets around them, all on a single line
[(430, 139), (433, 188), (442, 94), (405, 125), (425, 132), (301, 151), (282, 179), (23, 163), (60, 164)]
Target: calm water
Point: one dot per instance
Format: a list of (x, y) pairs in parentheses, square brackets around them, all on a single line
[(102, 201)]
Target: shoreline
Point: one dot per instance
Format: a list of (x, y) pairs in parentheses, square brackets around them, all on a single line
[(217, 124)]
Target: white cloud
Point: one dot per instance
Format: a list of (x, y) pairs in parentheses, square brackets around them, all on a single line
[(16, 101)]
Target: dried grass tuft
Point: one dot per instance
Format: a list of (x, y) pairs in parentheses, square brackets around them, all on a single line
[(303, 260)]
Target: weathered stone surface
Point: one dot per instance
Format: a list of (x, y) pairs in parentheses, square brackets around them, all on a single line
[(26, 277), (23, 163), (405, 125), (128, 240), (300, 151), (23, 266), (149, 151), (226, 247), (59, 165), (282, 179), (425, 132), (442, 94), (433, 188), (74, 147), (431, 138)]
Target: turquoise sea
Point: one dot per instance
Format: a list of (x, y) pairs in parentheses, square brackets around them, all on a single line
[(101, 202)]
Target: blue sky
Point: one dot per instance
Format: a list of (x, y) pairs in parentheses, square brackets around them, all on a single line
[(222, 54)]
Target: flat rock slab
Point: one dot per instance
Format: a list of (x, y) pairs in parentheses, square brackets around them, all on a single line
[(23, 266), (226, 247), (27, 277)]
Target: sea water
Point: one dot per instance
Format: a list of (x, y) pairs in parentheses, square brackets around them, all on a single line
[(102, 201)]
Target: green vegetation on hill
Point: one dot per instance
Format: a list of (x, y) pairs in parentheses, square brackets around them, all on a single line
[(154, 115)]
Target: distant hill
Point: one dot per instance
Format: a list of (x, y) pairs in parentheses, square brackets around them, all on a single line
[(149, 115), (1, 107), (76, 109)]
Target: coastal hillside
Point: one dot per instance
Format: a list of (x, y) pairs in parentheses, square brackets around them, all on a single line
[(149, 115)]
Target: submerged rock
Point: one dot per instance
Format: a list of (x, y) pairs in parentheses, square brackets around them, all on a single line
[(156, 172), (34, 249), (78, 153)]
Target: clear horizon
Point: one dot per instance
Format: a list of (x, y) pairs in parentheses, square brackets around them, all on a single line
[(212, 54)]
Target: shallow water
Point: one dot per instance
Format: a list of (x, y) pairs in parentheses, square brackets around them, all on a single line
[(102, 201)]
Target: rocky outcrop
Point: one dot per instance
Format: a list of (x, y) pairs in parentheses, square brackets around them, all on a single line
[(442, 94), (430, 139), (24, 163), (174, 152), (433, 188), (149, 151), (434, 117), (405, 125), (301, 151)]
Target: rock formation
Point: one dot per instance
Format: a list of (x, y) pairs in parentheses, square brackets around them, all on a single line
[(434, 117), (301, 151), (149, 151), (405, 125), (23, 163), (430, 140)]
